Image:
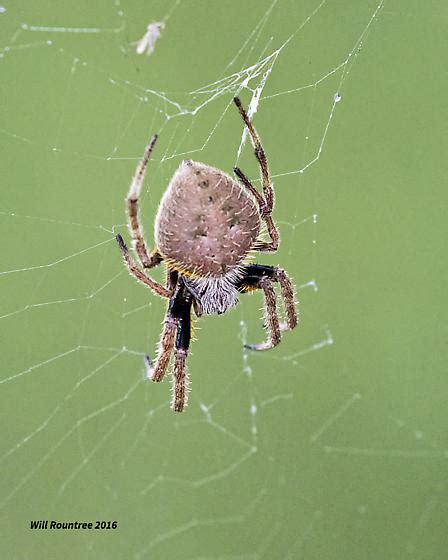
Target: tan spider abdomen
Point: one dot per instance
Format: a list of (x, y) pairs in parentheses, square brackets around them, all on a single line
[(206, 223)]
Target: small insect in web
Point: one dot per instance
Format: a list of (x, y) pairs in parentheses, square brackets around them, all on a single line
[(205, 227), (148, 41)]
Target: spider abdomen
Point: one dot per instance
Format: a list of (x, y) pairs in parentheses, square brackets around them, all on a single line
[(206, 223)]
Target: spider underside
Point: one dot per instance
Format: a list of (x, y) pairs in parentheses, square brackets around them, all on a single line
[(205, 227)]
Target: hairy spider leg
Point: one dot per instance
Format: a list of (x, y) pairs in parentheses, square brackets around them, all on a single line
[(135, 271), (147, 261), (133, 207), (176, 335), (166, 346), (180, 373), (256, 276), (265, 202), (156, 373)]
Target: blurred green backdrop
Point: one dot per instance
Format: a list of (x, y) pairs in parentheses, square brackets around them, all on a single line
[(331, 446)]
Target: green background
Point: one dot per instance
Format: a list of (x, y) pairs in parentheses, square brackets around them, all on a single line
[(331, 446)]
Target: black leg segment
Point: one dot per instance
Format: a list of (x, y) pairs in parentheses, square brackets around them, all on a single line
[(252, 275), (258, 276)]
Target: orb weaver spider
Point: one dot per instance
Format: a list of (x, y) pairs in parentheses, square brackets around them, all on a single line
[(205, 227)]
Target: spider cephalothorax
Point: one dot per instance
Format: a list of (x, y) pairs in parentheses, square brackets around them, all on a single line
[(205, 228)]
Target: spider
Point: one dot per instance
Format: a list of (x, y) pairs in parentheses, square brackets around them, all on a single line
[(205, 227)]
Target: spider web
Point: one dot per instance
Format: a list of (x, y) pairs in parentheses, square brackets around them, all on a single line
[(239, 475)]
